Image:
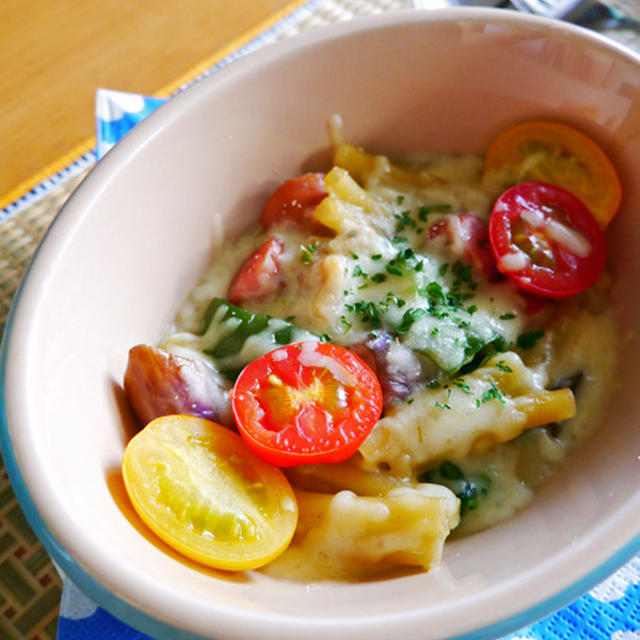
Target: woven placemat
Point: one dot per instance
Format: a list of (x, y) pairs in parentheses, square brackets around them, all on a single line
[(30, 588)]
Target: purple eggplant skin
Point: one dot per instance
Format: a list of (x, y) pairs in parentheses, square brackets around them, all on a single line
[(158, 383), (397, 369)]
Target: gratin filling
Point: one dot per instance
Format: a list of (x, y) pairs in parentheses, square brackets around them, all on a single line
[(479, 391)]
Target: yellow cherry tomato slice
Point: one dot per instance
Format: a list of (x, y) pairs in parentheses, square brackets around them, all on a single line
[(555, 153), (199, 487)]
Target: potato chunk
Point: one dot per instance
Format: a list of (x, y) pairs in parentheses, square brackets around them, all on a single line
[(469, 415), (347, 536)]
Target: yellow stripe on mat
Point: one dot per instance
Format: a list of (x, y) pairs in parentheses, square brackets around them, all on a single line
[(71, 156), (50, 170)]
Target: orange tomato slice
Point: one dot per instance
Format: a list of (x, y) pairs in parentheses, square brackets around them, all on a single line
[(199, 487), (558, 154)]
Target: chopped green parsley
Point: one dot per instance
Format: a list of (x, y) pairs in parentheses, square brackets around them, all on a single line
[(424, 211), (408, 318), (306, 253), (462, 385), (528, 340), (492, 393), (357, 271)]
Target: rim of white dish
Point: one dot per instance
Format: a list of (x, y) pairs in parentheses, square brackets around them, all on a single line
[(599, 557)]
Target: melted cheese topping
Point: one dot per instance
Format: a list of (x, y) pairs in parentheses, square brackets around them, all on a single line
[(570, 239), (513, 262)]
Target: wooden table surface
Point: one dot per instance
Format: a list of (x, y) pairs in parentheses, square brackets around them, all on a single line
[(54, 54)]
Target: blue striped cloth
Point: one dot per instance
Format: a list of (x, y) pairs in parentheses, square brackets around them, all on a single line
[(117, 113)]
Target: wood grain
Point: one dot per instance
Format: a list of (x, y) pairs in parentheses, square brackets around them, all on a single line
[(54, 54)]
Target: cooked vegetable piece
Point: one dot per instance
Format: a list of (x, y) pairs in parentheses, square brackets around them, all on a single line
[(364, 166), (354, 536), (451, 338), (306, 402), (470, 490), (330, 292), (233, 337), (546, 241), (259, 277), (294, 202), (467, 415), (465, 238), (395, 366), (205, 493), (346, 203), (341, 476), (158, 383), (558, 154)]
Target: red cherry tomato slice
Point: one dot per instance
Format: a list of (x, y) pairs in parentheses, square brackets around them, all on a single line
[(295, 201), (306, 402), (259, 276), (546, 241)]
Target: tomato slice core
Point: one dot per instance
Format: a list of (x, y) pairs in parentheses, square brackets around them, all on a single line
[(546, 241), (282, 402), (306, 402)]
